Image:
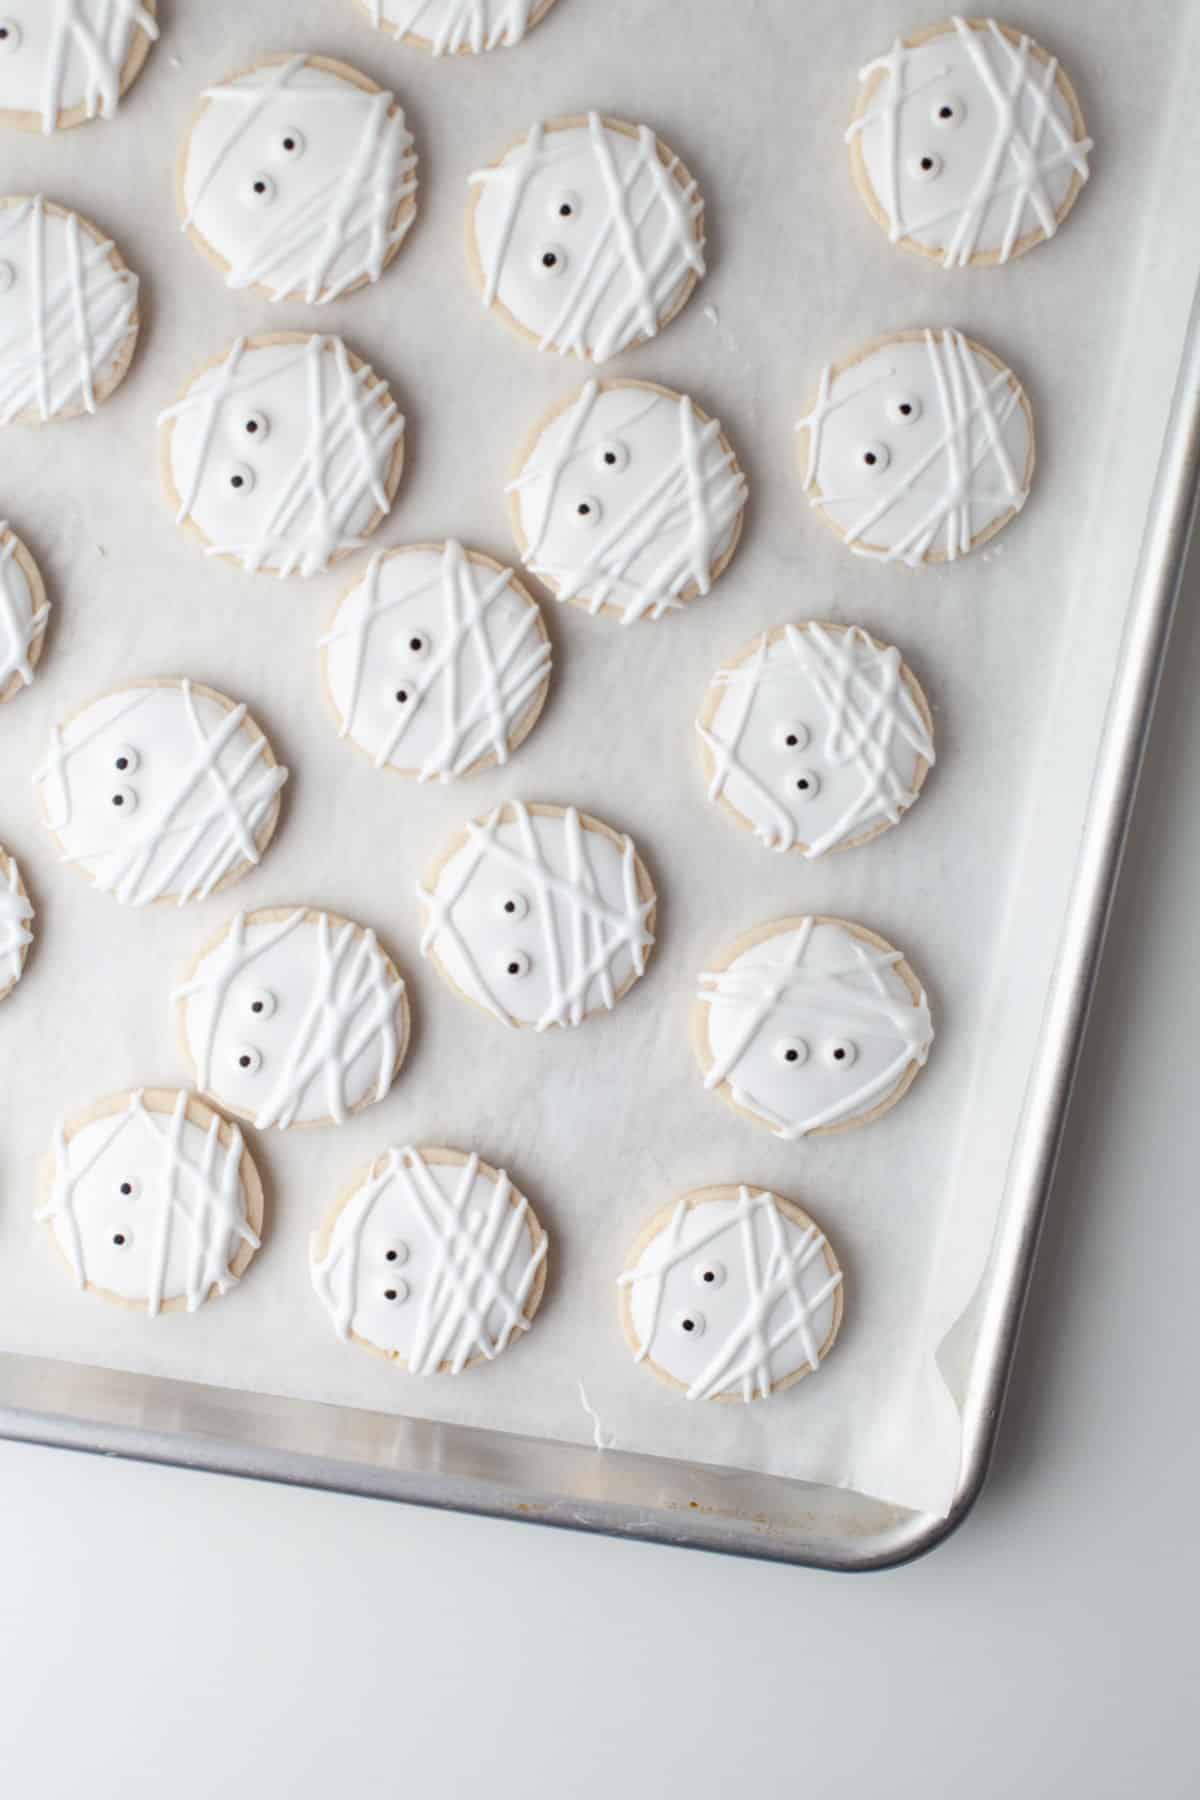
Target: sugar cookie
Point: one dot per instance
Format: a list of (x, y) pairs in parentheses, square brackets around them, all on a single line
[(63, 62), (539, 914), (24, 611), (816, 738), (16, 918), (153, 1200), (731, 1293), (587, 236), (293, 1017), (437, 662), (162, 790), (284, 454), (68, 313), (464, 27), (811, 1025), (628, 500), (297, 177), (967, 143), (918, 448), (431, 1259)]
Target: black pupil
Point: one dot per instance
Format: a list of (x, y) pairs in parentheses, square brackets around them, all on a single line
[(565, 210), (118, 799), (514, 968), (252, 426), (256, 1006), (945, 112), (870, 458), (802, 784), (260, 187), (689, 1324), (122, 762), (126, 1188), (235, 481), (839, 1056), (905, 408), (610, 457), (927, 162), (791, 1055), (792, 740), (289, 143), (391, 1256), (402, 695), (584, 510), (510, 906), (414, 643), (244, 1061), (549, 260), (118, 1238), (389, 1293), (709, 1276)]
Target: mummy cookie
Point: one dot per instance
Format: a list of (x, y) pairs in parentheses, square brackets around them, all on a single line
[(731, 1293), (539, 914), (432, 1259), (297, 178), (918, 448), (437, 662), (68, 313), (449, 27), (63, 62), (967, 143), (628, 501), (587, 236), (284, 454), (24, 611), (163, 790), (817, 738), (811, 1025), (16, 918), (153, 1200), (293, 1017)]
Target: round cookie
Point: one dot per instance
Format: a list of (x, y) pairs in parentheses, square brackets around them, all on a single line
[(437, 662), (811, 1025), (919, 448), (431, 1259), (816, 738), (297, 178), (162, 790), (24, 611), (153, 1200), (731, 1293), (284, 454), (627, 500), (293, 1017), (68, 313), (967, 143), (63, 62), (539, 914), (457, 27), (587, 236), (16, 917)]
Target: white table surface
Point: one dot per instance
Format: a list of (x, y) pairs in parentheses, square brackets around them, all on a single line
[(164, 1632)]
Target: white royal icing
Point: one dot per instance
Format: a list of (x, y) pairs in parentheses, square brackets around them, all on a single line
[(56, 55), (294, 1020), (586, 238), (280, 454), (923, 484), (21, 623), (297, 178), (66, 312), (812, 1026), (448, 26), (816, 739), (15, 916), (733, 1296), (183, 1221), (431, 1261), (159, 792), (969, 143), (627, 501), (538, 917), (434, 660)]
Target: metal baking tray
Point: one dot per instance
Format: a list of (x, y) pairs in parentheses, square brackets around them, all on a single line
[(1115, 659)]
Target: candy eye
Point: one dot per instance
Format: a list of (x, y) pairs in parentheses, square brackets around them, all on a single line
[(807, 784), (121, 1238), (261, 1003), (10, 35), (129, 1188), (708, 1275), (396, 1253), (239, 477), (511, 906), (840, 1053), (123, 800), (904, 409), (7, 276), (551, 261), (247, 1059), (397, 1293), (565, 205), (516, 964), (289, 145), (874, 458), (791, 735), (926, 167), (256, 425), (258, 191), (690, 1323), (612, 457), (126, 759), (791, 1050), (587, 511), (948, 112)]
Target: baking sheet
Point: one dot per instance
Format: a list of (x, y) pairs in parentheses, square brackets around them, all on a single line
[(1015, 649)]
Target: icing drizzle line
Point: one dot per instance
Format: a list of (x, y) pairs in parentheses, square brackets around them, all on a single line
[(457, 24), (202, 1194), (17, 632), (508, 674), (742, 1361), (15, 914), (471, 1254), (102, 41)]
